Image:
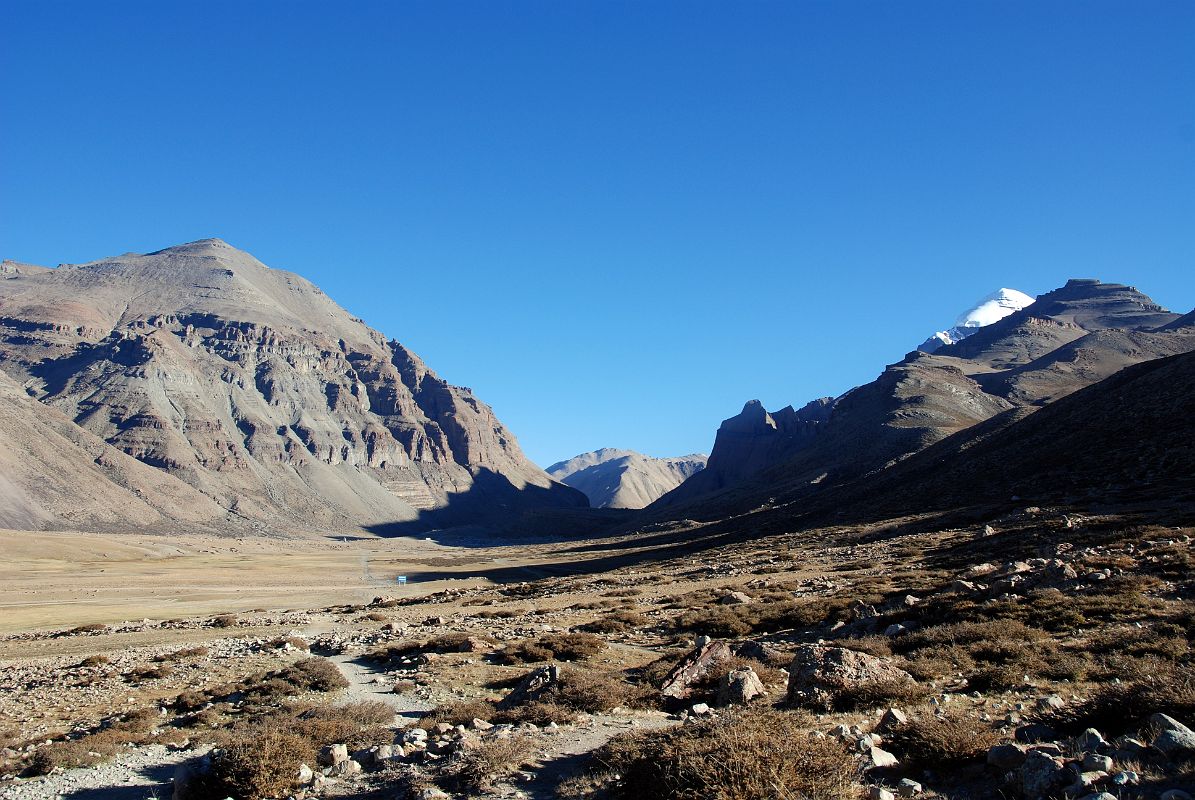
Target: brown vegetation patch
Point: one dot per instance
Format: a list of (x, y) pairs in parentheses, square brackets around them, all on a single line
[(476, 770), (260, 761), (552, 647), (752, 755), (615, 622), (943, 741)]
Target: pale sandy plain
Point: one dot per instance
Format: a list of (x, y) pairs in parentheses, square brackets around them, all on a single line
[(62, 579)]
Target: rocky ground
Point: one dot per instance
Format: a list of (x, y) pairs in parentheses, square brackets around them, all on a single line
[(1039, 655)]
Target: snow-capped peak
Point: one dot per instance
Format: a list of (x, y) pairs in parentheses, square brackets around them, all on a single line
[(993, 308)]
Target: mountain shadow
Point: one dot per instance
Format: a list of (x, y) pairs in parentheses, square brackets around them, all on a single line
[(495, 511)]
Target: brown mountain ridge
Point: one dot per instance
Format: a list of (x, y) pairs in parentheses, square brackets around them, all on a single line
[(255, 391), (1070, 338)]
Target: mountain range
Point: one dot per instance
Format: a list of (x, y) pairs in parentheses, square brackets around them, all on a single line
[(197, 386), (1068, 339), (613, 478)]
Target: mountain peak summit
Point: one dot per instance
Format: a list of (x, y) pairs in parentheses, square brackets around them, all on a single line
[(197, 246), (991, 308)]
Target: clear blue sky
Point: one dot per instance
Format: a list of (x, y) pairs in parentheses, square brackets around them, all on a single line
[(618, 221)]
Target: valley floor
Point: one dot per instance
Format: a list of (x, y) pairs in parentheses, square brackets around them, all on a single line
[(126, 656)]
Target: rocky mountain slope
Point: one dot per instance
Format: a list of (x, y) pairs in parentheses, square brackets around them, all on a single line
[(1119, 443), (255, 390), (613, 478), (1069, 338)]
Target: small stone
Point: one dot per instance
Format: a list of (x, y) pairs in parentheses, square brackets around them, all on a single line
[(1035, 732), (306, 774), (1094, 762), (735, 599), (345, 768), (700, 710), (1125, 778), (908, 787), (1088, 779), (1089, 739), (880, 793), (1051, 749), (893, 718), (880, 758), (739, 687), (1006, 757), (1051, 703), (333, 754)]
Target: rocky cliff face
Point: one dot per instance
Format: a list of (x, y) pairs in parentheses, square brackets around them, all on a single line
[(755, 440), (254, 388), (1068, 339), (613, 478)]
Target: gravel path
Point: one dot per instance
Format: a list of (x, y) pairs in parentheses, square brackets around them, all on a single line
[(363, 687), (142, 773), (146, 773)]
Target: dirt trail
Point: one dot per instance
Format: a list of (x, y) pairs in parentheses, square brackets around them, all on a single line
[(364, 687), (569, 750), (142, 773)]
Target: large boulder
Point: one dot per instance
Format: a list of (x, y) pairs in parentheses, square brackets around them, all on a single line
[(693, 668), (1041, 775), (739, 687), (818, 674)]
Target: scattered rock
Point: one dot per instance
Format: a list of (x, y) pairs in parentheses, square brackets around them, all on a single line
[(878, 759), (1051, 703), (1035, 732), (818, 674), (893, 718), (531, 687), (678, 684), (1006, 757), (1094, 762), (342, 769), (333, 754), (739, 686), (1041, 775), (1175, 794)]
